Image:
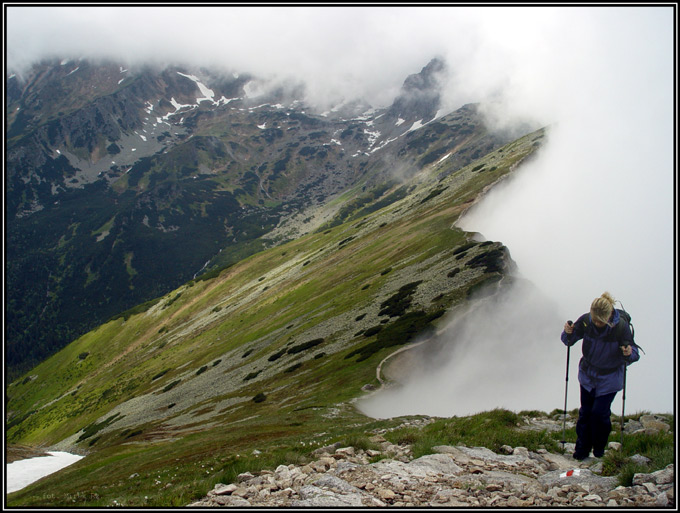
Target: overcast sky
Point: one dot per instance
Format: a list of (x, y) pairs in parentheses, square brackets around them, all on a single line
[(595, 212)]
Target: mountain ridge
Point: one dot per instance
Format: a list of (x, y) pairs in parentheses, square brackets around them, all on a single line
[(109, 186)]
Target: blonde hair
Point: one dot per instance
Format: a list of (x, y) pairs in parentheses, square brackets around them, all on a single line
[(601, 309)]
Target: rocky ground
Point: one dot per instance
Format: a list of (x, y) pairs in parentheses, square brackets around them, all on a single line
[(454, 476)]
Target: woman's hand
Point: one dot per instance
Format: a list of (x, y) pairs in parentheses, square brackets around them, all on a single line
[(568, 327), (626, 350)]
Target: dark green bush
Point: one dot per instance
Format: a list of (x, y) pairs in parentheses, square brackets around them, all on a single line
[(400, 301), (171, 385), (307, 345), (160, 374), (492, 260), (276, 356), (293, 368), (252, 375), (403, 330), (372, 331), (464, 247)]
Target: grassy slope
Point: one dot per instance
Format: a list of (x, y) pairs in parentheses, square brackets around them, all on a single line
[(195, 360)]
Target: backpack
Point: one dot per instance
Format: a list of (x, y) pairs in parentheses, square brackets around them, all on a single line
[(626, 318)]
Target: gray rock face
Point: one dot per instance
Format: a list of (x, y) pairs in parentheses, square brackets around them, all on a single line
[(454, 476)]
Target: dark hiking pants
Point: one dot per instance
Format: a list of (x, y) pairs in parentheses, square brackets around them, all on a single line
[(594, 423)]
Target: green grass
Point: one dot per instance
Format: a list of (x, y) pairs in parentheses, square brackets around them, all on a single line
[(491, 430)]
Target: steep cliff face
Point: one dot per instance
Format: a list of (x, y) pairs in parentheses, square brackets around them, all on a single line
[(124, 183)]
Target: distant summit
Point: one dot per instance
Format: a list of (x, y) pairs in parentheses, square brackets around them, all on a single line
[(420, 94)]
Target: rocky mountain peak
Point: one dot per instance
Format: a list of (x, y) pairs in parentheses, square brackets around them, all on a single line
[(420, 94)]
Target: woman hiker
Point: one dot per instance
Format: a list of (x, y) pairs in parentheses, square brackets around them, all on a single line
[(608, 348)]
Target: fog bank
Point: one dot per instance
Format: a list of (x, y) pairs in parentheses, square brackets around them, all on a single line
[(499, 352)]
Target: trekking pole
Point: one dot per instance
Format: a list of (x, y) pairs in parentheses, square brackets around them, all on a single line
[(623, 403), (566, 389)]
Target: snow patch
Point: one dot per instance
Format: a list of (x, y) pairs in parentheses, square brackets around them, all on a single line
[(20, 474), (415, 126), (208, 93)]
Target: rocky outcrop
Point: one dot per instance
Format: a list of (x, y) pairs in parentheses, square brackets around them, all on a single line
[(454, 476)]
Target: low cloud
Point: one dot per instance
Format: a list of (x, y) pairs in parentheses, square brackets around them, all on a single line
[(498, 352)]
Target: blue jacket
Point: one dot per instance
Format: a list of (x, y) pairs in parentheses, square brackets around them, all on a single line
[(602, 366)]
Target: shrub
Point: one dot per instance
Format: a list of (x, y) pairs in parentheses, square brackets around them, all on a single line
[(95, 427), (171, 385), (278, 355), (160, 374), (464, 247), (492, 260), (252, 375), (294, 367), (84, 355), (399, 302), (372, 331), (307, 345), (202, 370), (399, 332), (436, 192), (259, 398)]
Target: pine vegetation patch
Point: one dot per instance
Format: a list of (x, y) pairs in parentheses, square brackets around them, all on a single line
[(492, 260), (172, 385), (400, 332), (303, 347), (399, 302), (96, 427), (160, 374)]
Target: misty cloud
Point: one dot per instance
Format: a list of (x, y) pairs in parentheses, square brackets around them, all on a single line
[(499, 352)]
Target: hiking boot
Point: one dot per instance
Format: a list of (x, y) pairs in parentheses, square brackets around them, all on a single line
[(598, 454), (579, 456)]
